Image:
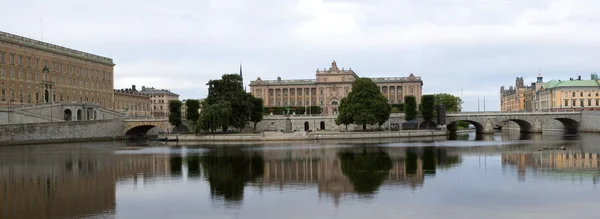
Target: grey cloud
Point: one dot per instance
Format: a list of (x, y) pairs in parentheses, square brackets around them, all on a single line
[(477, 45)]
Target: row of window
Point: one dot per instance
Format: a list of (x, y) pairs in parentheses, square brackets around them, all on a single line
[(59, 80), (589, 93), (56, 66), (20, 96), (293, 103), (581, 102), (126, 105)]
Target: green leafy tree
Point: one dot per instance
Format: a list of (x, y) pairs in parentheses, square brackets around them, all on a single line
[(175, 112), (410, 107), (427, 107), (364, 105), (257, 111), (215, 116), (192, 114), (229, 89), (452, 103)]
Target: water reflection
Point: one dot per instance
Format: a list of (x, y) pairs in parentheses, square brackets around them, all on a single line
[(92, 180), (569, 163), (228, 171)]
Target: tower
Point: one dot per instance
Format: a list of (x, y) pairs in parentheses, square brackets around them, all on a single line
[(519, 83), (242, 76)]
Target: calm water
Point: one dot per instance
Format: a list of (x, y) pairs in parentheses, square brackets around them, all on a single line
[(504, 176)]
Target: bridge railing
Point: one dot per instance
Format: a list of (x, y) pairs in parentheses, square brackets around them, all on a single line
[(516, 112)]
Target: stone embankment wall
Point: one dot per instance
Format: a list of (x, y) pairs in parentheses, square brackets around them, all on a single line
[(60, 131), (301, 136), (590, 121), (277, 123)]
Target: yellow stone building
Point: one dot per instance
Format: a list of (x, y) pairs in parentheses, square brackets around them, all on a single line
[(159, 98), (520, 97), (328, 88), (132, 102), (34, 72), (574, 94)]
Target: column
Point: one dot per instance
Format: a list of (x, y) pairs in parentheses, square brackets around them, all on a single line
[(289, 96)]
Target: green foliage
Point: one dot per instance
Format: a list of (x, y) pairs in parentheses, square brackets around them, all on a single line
[(365, 104), (453, 103), (366, 170), (427, 107), (395, 110), (192, 113), (257, 111), (399, 106), (215, 116), (410, 107), (462, 124), (175, 112), (227, 92)]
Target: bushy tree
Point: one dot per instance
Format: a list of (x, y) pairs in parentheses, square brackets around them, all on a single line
[(410, 107), (229, 91), (427, 107), (215, 116), (257, 111), (365, 104), (192, 114), (452, 103), (175, 112)]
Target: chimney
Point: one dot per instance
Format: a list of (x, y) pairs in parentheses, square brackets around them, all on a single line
[(133, 87)]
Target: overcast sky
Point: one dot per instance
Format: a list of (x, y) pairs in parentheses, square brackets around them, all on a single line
[(478, 45)]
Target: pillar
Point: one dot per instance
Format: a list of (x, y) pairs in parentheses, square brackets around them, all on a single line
[(537, 126), (488, 127)]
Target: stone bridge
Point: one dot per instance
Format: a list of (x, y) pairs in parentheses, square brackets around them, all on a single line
[(529, 122), (137, 127)]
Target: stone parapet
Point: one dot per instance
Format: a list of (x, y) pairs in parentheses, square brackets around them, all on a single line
[(303, 136)]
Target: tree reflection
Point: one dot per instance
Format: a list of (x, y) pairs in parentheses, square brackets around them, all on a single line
[(175, 163), (366, 170), (193, 165), (227, 172)]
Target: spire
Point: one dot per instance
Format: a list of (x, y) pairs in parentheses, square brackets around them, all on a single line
[(242, 76)]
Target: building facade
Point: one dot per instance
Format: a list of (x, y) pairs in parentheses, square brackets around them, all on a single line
[(159, 101), (520, 97), (132, 103), (574, 94), (328, 88), (34, 72)]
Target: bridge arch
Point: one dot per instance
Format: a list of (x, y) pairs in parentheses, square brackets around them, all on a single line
[(524, 126), (570, 125), (139, 131), (453, 126), (427, 125)]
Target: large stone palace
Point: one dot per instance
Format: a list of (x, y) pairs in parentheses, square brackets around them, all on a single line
[(328, 88)]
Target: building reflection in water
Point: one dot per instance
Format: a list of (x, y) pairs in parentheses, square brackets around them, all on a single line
[(82, 182), (573, 163), (74, 182), (360, 170)]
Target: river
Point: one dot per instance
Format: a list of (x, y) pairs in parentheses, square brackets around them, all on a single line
[(507, 175)]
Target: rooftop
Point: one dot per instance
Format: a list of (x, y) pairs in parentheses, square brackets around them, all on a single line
[(53, 48), (152, 90), (570, 83)]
